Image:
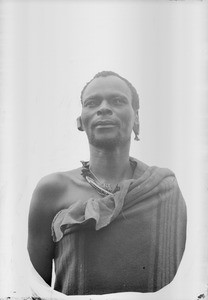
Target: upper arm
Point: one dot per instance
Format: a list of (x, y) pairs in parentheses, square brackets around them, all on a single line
[(42, 210)]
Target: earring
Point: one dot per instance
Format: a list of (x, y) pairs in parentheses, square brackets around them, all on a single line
[(136, 138), (136, 131), (79, 124)]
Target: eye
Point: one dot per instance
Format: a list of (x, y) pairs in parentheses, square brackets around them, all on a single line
[(118, 100), (91, 103)]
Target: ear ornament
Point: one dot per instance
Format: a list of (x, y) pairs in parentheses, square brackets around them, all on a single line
[(79, 124), (136, 129), (136, 138)]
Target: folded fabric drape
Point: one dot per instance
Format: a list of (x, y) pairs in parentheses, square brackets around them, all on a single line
[(130, 241)]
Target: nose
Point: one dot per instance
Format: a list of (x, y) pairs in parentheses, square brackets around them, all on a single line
[(104, 109)]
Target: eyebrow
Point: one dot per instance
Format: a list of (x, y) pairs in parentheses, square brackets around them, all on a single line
[(99, 96), (93, 97)]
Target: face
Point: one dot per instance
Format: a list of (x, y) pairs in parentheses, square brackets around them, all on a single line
[(107, 113)]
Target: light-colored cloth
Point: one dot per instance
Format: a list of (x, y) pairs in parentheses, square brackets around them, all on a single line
[(131, 241)]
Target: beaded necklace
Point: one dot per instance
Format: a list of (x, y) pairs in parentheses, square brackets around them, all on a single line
[(103, 189)]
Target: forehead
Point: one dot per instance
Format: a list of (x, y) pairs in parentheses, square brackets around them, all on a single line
[(105, 86)]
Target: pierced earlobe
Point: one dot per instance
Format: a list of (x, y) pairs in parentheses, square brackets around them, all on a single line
[(136, 129), (136, 138), (79, 124)]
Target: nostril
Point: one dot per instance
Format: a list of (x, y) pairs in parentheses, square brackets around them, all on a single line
[(104, 111)]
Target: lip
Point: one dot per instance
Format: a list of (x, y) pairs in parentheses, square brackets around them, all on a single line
[(106, 126), (105, 123)]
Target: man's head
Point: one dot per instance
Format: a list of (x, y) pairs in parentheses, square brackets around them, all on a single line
[(135, 97), (109, 110)]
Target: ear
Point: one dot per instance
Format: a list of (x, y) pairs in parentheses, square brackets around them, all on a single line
[(79, 124), (136, 124)]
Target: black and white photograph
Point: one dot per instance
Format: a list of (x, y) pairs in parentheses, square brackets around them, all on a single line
[(104, 149)]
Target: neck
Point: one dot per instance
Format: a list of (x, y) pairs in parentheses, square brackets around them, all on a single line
[(111, 166)]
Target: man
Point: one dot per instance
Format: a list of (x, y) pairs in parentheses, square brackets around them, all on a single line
[(117, 224)]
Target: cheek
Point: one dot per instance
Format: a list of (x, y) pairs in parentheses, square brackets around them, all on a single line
[(85, 119), (127, 120)]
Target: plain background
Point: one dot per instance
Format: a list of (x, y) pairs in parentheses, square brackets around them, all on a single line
[(49, 50)]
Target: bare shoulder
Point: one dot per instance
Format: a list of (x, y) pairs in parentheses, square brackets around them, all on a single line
[(52, 189), (55, 181), (46, 200), (50, 186)]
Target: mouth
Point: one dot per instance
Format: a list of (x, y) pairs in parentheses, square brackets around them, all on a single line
[(106, 124)]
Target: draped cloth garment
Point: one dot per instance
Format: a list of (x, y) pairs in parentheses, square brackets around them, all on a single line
[(131, 241)]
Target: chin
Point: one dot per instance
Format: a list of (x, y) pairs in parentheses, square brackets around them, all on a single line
[(107, 143)]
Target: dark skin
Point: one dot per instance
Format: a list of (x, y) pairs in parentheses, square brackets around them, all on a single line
[(44, 206), (105, 98), (53, 193)]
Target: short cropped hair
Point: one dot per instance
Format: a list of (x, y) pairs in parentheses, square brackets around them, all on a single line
[(135, 96)]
